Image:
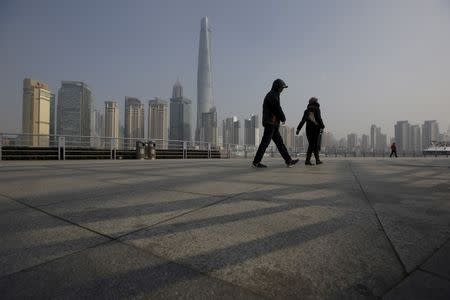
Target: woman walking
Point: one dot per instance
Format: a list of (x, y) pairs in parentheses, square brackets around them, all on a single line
[(314, 126)]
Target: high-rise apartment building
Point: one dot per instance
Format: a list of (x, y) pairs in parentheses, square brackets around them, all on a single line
[(36, 113), (52, 114), (134, 121), (251, 131), (382, 142), (364, 143), (373, 137), (74, 110), (288, 135), (430, 132), (230, 131), (402, 136), (208, 130), (112, 124), (158, 129), (204, 81), (352, 142), (415, 139), (180, 116)]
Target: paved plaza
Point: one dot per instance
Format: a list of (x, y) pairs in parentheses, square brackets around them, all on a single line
[(357, 228)]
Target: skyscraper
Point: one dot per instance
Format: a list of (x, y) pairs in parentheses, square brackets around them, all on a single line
[(402, 136), (430, 132), (208, 129), (134, 121), (251, 131), (415, 138), (98, 130), (230, 131), (36, 112), (180, 116), (158, 122), (52, 113), (364, 142), (288, 135), (352, 141), (204, 78), (373, 137), (74, 109), (112, 123)]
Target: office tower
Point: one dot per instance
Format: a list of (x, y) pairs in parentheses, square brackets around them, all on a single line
[(230, 131), (52, 115), (99, 123), (208, 129), (415, 138), (365, 142), (112, 124), (180, 116), (158, 130), (251, 131), (379, 144), (204, 78), (98, 130), (287, 134), (402, 136), (373, 137), (382, 142), (352, 142), (36, 113), (134, 121), (430, 132), (74, 112)]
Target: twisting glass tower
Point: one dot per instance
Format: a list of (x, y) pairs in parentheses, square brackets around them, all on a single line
[(204, 77)]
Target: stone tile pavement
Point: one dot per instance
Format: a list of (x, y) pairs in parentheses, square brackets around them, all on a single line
[(358, 228)]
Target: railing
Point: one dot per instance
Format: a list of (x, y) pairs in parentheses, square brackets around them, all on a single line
[(63, 146)]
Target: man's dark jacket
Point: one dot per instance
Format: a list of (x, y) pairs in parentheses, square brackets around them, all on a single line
[(272, 112)]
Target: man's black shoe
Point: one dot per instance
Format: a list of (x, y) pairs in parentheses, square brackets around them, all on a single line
[(318, 162), (258, 165), (308, 163), (291, 163)]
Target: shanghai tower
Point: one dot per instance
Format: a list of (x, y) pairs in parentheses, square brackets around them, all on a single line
[(204, 77)]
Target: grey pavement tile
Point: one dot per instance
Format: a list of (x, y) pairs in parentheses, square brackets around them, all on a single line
[(308, 253), (338, 196), (116, 271), (50, 190), (7, 204), (414, 240), (130, 210), (29, 237), (420, 285), (439, 263), (414, 212)]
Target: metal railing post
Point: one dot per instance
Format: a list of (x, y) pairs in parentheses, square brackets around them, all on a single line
[(209, 150), (184, 149), (61, 148)]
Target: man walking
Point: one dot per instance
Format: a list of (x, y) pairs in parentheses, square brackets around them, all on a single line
[(393, 150), (272, 116)]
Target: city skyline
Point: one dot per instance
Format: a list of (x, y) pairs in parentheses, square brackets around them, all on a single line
[(379, 72)]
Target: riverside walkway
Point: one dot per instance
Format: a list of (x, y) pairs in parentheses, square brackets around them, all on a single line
[(357, 228)]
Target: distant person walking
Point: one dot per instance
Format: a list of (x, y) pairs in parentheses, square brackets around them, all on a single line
[(272, 116), (393, 150), (314, 127)]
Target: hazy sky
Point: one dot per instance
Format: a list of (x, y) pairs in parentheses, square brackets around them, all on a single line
[(367, 61)]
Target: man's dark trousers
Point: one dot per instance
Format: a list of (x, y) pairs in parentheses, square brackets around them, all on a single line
[(271, 133)]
